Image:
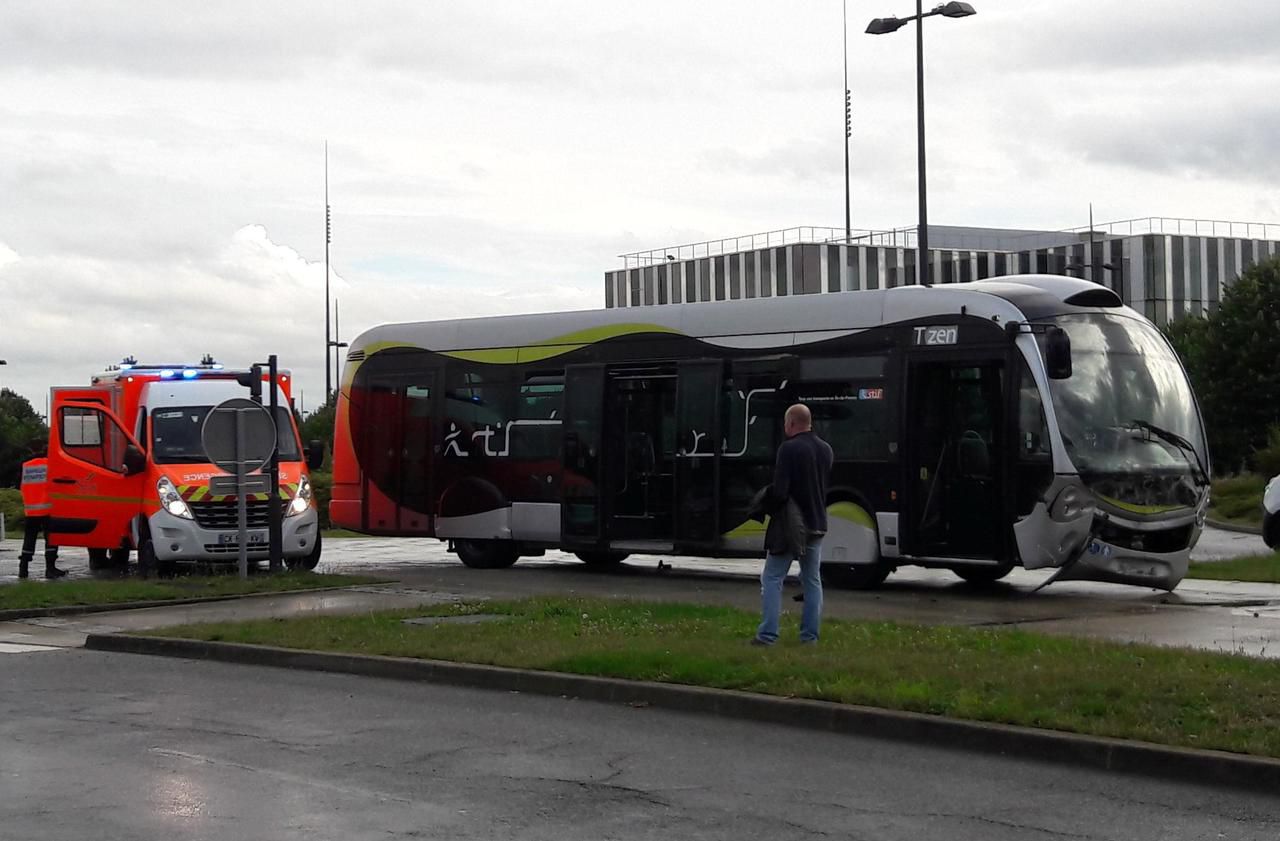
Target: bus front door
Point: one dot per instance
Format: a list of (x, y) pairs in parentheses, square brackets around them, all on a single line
[(698, 452), (581, 508), (955, 505)]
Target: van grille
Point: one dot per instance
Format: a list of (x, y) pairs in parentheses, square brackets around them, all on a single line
[(223, 515)]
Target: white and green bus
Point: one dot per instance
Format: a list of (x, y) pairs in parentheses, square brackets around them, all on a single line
[(1029, 421)]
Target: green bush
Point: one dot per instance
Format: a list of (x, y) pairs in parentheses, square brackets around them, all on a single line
[(1267, 459), (11, 505), (322, 487), (1239, 498)]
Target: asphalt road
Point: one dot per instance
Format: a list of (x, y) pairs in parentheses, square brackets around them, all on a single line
[(109, 746), (1217, 616)]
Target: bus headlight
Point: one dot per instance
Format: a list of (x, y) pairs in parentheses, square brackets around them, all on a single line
[(302, 499), (171, 500)]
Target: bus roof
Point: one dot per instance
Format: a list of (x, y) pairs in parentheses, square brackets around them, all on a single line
[(758, 322)]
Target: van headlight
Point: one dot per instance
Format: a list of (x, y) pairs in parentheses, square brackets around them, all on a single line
[(301, 500), (171, 500)]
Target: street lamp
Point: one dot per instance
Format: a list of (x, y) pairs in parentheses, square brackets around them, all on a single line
[(337, 349), (882, 26)]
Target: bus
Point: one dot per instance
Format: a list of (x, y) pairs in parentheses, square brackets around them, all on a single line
[(1029, 420)]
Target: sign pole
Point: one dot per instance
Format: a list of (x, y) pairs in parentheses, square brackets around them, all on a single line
[(242, 513), (274, 538)]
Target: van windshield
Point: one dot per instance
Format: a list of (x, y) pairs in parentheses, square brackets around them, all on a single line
[(175, 435)]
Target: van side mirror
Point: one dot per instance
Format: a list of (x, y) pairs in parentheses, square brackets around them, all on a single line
[(135, 461), (315, 455), (1057, 354)]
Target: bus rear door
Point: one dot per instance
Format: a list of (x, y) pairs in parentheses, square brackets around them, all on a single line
[(698, 452), (581, 500)]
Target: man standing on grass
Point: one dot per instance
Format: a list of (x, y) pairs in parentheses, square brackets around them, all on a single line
[(797, 501)]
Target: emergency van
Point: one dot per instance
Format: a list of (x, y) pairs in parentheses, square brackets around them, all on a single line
[(128, 471)]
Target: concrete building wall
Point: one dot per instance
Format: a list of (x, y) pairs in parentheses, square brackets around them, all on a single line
[(1163, 276)]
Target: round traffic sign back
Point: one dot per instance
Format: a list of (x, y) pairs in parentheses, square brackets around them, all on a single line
[(219, 435)]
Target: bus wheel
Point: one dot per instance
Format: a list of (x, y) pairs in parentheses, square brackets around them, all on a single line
[(308, 562), (983, 575), (120, 558), (602, 560), (99, 559), (1271, 530), (856, 576), (487, 554)]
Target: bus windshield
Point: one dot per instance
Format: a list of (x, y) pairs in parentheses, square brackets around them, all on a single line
[(1127, 407), (175, 435)]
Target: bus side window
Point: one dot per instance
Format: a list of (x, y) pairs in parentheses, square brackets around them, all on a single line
[(1033, 429), (539, 404), (853, 418)]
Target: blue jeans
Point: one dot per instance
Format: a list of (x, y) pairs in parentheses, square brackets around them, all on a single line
[(775, 570)]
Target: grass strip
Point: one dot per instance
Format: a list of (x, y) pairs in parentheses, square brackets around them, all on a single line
[(1264, 569), (1238, 500), (40, 593), (1161, 695)]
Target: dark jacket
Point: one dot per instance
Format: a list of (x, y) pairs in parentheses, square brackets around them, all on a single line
[(786, 533), (800, 473), (796, 502)]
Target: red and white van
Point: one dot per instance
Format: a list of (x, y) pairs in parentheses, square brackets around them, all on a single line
[(128, 471)]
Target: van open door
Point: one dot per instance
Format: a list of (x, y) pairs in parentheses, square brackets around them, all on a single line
[(96, 473)]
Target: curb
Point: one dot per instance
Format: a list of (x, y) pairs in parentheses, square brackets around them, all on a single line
[(1218, 524), (78, 609), (1183, 764)]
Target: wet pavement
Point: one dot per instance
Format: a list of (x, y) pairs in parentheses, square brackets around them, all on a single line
[(122, 747), (1219, 616)]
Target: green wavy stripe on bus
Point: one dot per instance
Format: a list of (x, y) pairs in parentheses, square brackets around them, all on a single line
[(1141, 509), (855, 514), (555, 347), (751, 528)]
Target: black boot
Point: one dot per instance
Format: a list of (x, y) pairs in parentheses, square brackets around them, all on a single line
[(24, 565), (51, 571)]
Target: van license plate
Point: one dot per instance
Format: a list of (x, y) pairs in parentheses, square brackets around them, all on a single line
[(254, 537)]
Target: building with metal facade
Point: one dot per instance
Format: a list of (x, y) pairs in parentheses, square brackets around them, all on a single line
[(1159, 266)]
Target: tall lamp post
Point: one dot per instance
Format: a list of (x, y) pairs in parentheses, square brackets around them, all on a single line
[(848, 118), (336, 345), (328, 231), (882, 26)]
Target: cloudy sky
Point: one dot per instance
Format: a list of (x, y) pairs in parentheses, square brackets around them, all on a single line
[(162, 164)]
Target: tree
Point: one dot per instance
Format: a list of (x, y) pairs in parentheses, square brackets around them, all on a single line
[(23, 435), (319, 424), (1233, 358)]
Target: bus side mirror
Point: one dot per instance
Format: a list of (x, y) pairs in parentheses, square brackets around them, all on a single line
[(315, 455), (135, 461), (1057, 354)]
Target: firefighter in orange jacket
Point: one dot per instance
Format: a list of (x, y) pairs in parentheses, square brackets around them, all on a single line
[(35, 502)]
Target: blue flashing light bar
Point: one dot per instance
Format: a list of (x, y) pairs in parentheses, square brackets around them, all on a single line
[(189, 374), (166, 374)]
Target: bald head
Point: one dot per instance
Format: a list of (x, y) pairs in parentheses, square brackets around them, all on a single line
[(797, 420)]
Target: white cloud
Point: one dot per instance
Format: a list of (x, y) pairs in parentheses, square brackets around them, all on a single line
[(163, 170)]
